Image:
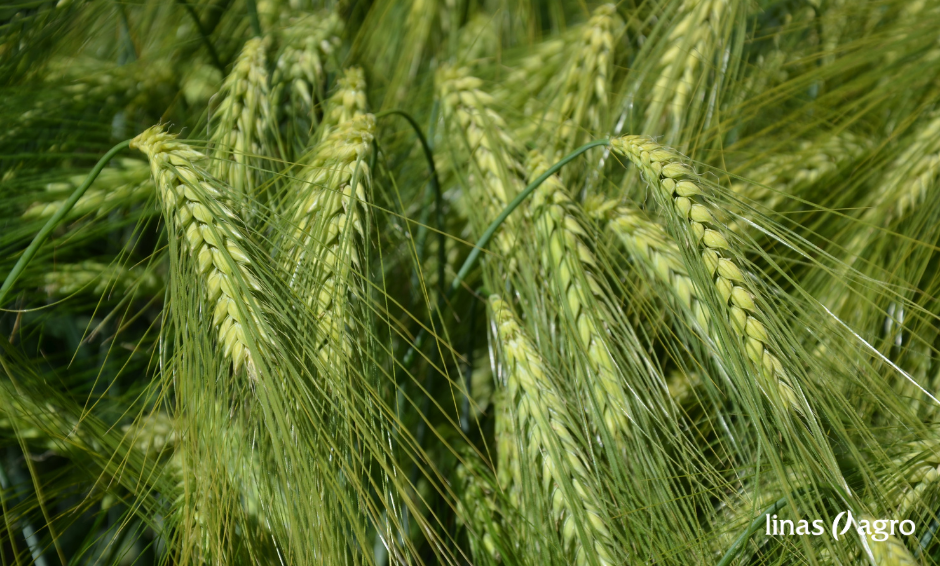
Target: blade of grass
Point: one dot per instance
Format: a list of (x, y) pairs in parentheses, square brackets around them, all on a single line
[(55, 219)]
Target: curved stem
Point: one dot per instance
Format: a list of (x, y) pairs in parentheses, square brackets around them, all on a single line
[(739, 543), (481, 244), (438, 207), (204, 35), (55, 219), (213, 16), (494, 226), (435, 186), (755, 524)]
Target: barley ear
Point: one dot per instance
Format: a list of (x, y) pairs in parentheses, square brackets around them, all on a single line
[(324, 254), (910, 177), (154, 434), (298, 80), (689, 47), (548, 429), (243, 124), (494, 172), (347, 102), (648, 243), (97, 278), (918, 477), (477, 509), (773, 178), (568, 258), (583, 100), (888, 552), (206, 227), (115, 186), (678, 184)]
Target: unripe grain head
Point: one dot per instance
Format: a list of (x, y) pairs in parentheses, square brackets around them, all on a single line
[(330, 214), (667, 172), (546, 425), (207, 230)]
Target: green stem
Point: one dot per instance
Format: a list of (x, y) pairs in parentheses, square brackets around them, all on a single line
[(468, 369), (494, 226), (253, 18), (435, 186), (755, 524), (55, 219), (213, 54), (481, 244), (129, 49), (215, 15), (739, 543)]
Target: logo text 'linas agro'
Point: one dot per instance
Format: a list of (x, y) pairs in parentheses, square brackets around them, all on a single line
[(876, 529)]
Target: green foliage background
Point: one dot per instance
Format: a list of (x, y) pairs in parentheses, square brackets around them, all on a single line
[(379, 405)]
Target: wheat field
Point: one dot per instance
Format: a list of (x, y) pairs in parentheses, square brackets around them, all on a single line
[(470, 282)]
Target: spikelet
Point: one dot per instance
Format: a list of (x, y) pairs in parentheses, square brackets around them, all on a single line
[(888, 552), (571, 263), (508, 464), (659, 254), (918, 473), (912, 174), (95, 277), (787, 172), (129, 183), (243, 122), (529, 76), (678, 185), (690, 47), (548, 429), (477, 510), (153, 434), (328, 223), (495, 175), (192, 208), (347, 102), (299, 75), (583, 98)]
